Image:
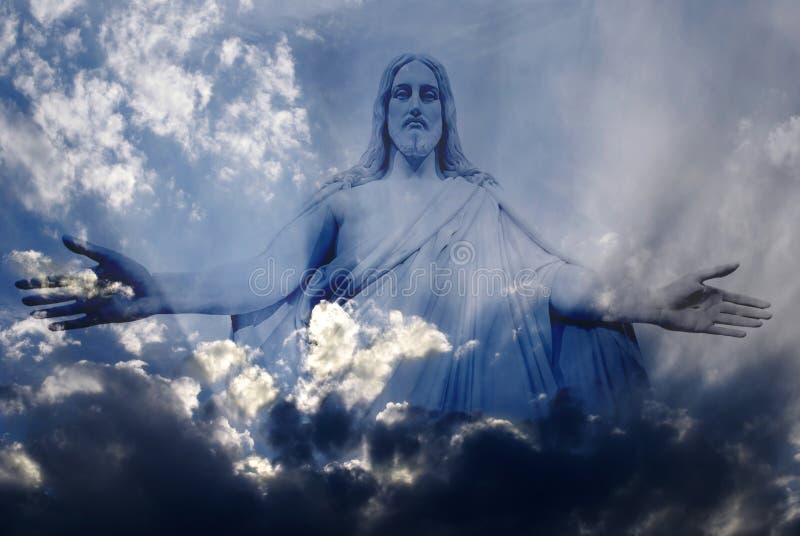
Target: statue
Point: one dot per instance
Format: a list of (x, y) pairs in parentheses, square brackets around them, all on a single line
[(525, 325)]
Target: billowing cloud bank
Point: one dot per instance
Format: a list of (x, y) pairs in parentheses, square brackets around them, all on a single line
[(113, 448)]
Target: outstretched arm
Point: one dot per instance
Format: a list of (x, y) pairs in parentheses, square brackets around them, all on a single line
[(118, 289), (688, 304), (252, 284)]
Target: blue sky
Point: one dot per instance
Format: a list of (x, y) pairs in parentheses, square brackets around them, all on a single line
[(645, 139)]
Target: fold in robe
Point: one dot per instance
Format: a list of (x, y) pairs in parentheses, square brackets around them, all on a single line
[(510, 353)]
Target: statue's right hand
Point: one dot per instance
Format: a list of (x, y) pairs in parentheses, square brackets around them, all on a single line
[(118, 289)]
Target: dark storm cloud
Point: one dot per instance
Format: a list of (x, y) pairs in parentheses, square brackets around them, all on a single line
[(124, 461)]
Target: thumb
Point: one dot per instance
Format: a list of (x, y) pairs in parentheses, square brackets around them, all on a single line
[(718, 271), (86, 248)]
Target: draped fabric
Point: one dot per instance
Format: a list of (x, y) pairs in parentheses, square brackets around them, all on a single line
[(467, 264)]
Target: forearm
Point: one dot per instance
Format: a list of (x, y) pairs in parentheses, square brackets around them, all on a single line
[(225, 290), (581, 294), (252, 284)]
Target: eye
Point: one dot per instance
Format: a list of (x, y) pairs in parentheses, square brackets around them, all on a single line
[(429, 95), (401, 93)]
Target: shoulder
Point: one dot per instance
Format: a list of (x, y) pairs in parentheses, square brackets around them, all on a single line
[(342, 197)]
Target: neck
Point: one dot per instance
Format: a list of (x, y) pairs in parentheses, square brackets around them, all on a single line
[(402, 167)]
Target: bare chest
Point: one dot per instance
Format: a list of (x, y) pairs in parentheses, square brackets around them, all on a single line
[(380, 209)]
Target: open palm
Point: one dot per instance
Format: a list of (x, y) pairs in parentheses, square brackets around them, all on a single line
[(689, 304), (123, 290)]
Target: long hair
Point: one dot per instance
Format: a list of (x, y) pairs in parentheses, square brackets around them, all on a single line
[(375, 160)]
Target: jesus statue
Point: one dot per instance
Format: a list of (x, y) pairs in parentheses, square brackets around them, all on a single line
[(415, 227)]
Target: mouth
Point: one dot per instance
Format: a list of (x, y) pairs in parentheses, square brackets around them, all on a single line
[(415, 123)]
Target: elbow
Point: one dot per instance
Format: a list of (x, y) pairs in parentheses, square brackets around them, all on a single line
[(579, 294)]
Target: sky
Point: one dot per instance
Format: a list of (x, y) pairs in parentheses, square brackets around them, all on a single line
[(644, 139)]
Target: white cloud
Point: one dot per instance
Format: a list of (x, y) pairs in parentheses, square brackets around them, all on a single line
[(260, 128), (73, 143), (783, 143), (217, 359), (67, 381), (251, 390), (133, 336), (30, 263), (134, 365), (31, 337), (87, 127), (186, 390), (309, 34), (17, 468), (229, 51), (8, 33), (256, 468), (392, 413), (230, 438), (466, 347), (72, 42), (147, 44), (356, 359), (48, 11), (488, 423), (77, 138)]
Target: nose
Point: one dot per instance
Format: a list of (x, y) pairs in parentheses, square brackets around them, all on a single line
[(413, 104)]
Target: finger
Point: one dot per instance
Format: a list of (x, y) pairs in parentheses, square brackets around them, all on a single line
[(718, 271), (47, 299), (77, 323), (86, 248), (749, 312), (733, 320), (48, 282), (742, 299), (61, 310), (728, 332)]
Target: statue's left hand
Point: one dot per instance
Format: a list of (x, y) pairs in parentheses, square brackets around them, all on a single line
[(689, 304), (122, 291)]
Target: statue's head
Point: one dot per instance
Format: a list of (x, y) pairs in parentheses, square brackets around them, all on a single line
[(414, 86), (414, 111)]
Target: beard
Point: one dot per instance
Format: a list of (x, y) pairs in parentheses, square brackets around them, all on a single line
[(414, 143)]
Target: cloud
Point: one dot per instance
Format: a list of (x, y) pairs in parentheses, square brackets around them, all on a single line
[(241, 388), (262, 128), (147, 45), (67, 381), (135, 335), (393, 412), (216, 359), (30, 263), (81, 133), (48, 11), (233, 441), (17, 468), (31, 337), (256, 468), (252, 389), (309, 34), (408, 471), (8, 33), (354, 356), (783, 143), (186, 390), (74, 142)]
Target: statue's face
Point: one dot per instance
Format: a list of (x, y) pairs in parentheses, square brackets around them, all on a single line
[(414, 115)]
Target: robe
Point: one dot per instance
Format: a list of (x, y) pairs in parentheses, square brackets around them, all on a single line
[(511, 354)]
